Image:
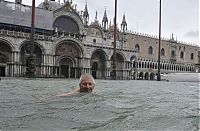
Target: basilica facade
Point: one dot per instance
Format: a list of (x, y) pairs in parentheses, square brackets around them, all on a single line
[(67, 45)]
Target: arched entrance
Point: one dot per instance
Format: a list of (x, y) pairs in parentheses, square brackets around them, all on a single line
[(119, 65), (133, 61), (98, 64), (5, 56), (152, 76), (68, 58), (141, 76), (25, 52), (146, 76), (67, 68)]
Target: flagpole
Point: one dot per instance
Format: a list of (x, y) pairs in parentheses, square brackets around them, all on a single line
[(159, 43), (114, 75), (31, 59)]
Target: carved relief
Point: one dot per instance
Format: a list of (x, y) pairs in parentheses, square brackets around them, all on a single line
[(95, 32), (67, 48)]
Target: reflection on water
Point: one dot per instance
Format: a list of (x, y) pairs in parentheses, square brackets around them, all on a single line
[(115, 105)]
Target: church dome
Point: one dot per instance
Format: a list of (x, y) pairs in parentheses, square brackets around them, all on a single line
[(49, 5)]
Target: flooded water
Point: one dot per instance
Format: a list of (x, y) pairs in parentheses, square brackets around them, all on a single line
[(115, 105)]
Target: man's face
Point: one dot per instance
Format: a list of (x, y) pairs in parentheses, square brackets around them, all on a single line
[(86, 85)]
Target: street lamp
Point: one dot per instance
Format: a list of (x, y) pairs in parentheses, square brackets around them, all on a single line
[(158, 74)]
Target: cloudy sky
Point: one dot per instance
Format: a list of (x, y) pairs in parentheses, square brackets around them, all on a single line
[(180, 17)]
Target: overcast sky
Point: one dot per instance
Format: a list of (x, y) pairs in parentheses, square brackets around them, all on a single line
[(180, 17)]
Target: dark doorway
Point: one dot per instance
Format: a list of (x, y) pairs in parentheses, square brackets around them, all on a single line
[(146, 76), (65, 71), (94, 69), (151, 76), (2, 71), (72, 72), (66, 68)]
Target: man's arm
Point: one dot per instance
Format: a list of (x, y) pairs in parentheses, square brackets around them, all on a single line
[(70, 93)]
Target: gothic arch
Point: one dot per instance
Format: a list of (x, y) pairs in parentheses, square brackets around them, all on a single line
[(162, 53), (9, 43), (137, 47), (5, 51), (182, 55), (68, 58), (96, 31), (120, 64), (150, 50), (146, 76), (66, 23), (98, 63), (192, 56), (36, 43), (67, 66), (102, 52), (70, 42), (119, 55), (141, 76), (133, 61), (173, 54), (25, 49), (152, 75)]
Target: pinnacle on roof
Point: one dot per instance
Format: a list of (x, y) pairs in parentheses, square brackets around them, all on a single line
[(85, 13), (124, 20), (124, 24), (105, 18), (96, 20)]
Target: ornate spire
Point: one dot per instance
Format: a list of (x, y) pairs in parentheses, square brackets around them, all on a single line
[(124, 24), (105, 20), (96, 20), (172, 36), (85, 15)]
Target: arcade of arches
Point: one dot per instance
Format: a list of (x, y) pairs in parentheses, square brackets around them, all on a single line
[(68, 62)]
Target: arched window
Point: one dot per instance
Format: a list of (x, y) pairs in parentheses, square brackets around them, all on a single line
[(182, 54), (173, 54), (162, 52), (192, 56), (137, 47), (179, 47), (66, 24), (150, 50)]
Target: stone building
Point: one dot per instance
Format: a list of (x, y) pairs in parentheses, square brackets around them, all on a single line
[(67, 45)]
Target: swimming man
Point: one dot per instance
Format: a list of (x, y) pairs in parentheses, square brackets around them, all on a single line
[(86, 84)]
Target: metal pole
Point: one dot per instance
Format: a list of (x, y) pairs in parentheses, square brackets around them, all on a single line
[(31, 59), (158, 74), (114, 75), (32, 27)]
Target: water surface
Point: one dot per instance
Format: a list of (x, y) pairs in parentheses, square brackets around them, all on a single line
[(115, 105)]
